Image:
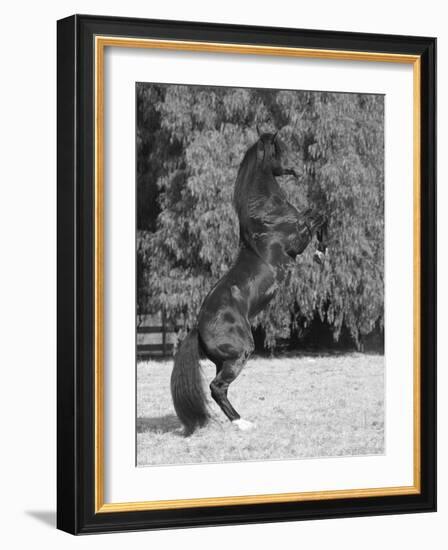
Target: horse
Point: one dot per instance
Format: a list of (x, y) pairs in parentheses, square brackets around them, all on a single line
[(272, 233)]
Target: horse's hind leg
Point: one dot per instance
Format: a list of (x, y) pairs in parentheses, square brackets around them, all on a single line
[(219, 386)]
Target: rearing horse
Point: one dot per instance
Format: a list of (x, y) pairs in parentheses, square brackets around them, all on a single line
[(272, 234)]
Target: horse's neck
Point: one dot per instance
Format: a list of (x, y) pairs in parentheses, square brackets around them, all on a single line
[(260, 183)]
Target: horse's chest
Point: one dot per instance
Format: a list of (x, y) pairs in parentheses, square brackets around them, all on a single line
[(267, 292), (271, 290)]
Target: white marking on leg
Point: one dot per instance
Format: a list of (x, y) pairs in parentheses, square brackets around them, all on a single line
[(319, 257), (243, 425)]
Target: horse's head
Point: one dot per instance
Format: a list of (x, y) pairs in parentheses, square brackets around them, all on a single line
[(274, 156)]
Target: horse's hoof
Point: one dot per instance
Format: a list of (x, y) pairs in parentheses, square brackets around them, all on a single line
[(319, 257), (243, 425)]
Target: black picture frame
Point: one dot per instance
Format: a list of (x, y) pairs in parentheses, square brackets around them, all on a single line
[(76, 511)]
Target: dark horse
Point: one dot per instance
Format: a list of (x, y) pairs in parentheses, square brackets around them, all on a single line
[(272, 234)]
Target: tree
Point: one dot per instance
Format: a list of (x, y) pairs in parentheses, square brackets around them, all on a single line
[(190, 143)]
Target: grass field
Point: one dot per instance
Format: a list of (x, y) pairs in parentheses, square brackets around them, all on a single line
[(307, 406)]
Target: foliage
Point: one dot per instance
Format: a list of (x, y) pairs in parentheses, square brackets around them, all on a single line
[(190, 142)]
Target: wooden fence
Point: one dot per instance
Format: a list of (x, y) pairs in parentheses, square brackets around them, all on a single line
[(155, 337)]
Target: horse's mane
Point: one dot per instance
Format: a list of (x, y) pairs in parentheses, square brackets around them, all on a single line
[(243, 179)]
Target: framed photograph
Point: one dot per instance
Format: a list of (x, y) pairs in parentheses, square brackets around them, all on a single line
[(246, 274)]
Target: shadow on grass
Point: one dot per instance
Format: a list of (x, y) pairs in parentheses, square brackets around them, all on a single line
[(161, 424)]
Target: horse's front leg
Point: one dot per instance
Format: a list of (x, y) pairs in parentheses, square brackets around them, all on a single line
[(308, 224), (289, 172), (321, 251)]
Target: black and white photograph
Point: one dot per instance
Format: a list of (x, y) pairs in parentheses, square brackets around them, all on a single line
[(222, 293), (259, 274)]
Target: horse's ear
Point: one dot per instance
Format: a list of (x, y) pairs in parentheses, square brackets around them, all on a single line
[(258, 131), (275, 137)]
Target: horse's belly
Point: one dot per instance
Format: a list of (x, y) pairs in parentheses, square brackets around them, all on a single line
[(225, 332)]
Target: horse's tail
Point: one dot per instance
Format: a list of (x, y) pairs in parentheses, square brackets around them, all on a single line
[(187, 391)]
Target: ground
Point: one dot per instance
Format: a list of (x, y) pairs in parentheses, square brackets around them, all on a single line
[(307, 406)]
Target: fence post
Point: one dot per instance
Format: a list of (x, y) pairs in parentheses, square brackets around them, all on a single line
[(163, 333)]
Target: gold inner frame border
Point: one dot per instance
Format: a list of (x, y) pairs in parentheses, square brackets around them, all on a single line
[(100, 43)]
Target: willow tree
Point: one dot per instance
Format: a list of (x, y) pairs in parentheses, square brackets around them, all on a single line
[(190, 142)]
